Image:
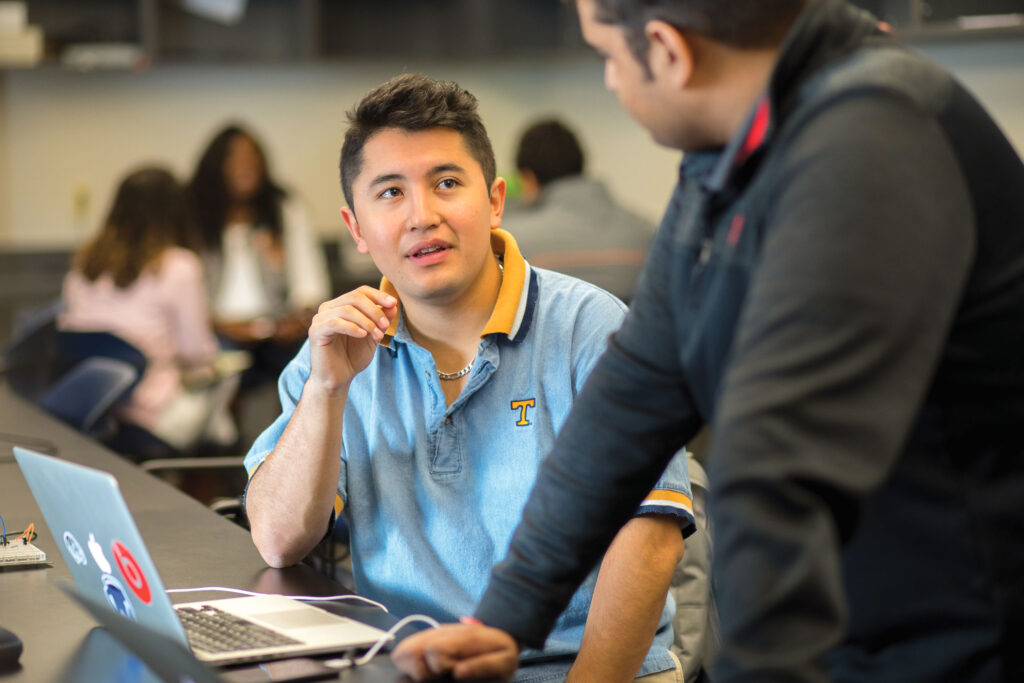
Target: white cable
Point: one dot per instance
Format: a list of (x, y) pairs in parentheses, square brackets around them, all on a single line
[(372, 652), (310, 598)]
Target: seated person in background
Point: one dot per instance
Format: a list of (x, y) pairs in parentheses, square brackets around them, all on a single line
[(141, 280), (571, 223), (265, 270), (422, 410)]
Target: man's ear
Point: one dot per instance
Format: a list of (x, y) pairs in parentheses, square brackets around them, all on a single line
[(670, 54), (353, 228), (498, 188)]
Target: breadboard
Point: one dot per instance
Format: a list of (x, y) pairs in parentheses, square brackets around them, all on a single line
[(17, 553)]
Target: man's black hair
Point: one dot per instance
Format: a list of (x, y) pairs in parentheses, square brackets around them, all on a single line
[(413, 102), (550, 151), (737, 23)]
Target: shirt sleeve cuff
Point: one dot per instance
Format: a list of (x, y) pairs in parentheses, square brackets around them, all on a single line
[(670, 503)]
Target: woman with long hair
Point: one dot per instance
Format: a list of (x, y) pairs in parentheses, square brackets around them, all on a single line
[(265, 270), (141, 279)]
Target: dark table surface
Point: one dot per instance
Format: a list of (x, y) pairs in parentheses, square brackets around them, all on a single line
[(190, 545)]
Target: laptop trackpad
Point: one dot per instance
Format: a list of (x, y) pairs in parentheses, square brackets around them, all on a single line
[(299, 618)]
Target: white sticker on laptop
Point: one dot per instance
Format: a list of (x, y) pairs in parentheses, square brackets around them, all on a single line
[(97, 554), (74, 548)]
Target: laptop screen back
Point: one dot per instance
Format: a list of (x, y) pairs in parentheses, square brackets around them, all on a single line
[(98, 539)]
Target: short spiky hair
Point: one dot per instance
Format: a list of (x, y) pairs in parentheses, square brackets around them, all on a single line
[(413, 102), (737, 23)]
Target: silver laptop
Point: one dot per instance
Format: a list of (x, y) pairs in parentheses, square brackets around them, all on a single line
[(109, 562)]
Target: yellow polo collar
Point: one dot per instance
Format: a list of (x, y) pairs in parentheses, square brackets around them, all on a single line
[(507, 316)]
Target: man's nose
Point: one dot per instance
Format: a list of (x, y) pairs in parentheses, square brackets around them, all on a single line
[(423, 212)]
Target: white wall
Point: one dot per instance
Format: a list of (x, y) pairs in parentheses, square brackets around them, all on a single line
[(5, 197), (66, 138), (73, 135)]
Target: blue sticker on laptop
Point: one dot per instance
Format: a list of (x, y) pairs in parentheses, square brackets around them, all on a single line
[(74, 548), (117, 597)]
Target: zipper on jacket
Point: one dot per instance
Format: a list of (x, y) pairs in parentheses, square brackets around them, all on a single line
[(706, 248)]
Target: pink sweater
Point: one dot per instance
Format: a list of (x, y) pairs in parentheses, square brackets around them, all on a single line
[(163, 313)]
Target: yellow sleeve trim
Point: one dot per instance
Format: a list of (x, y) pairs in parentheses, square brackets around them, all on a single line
[(667, 497), (339, 504)]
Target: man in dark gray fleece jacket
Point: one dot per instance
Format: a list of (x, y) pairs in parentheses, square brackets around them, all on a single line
[(837, 287)]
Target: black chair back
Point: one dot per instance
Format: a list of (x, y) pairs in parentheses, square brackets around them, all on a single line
[(72, 348), (30, 357)]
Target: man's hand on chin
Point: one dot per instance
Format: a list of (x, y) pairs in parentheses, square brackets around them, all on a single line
[(469, 651)]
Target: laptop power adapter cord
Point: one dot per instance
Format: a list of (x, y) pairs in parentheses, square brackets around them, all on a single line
[(346, 662)]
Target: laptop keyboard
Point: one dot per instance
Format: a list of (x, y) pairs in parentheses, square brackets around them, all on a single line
[(214, 631)]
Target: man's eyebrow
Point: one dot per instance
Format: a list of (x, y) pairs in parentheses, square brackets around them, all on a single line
[(440, 168), (386, 178), (447, 168)]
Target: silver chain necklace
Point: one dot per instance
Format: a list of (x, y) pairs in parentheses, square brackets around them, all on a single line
[(455, 375), (448, 376)]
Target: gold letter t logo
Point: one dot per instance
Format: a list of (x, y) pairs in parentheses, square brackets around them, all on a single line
[(522, 407)]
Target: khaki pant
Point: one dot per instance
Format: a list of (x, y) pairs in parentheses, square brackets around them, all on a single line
[(194, 415), (669, 676)]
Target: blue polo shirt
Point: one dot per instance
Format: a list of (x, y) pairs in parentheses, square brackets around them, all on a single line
[(432, 493)]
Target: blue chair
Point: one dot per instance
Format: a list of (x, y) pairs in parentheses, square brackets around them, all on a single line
[(84, 396), (45, 366), (71, 349)]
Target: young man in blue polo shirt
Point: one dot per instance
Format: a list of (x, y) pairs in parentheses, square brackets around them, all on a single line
[(443, 390)]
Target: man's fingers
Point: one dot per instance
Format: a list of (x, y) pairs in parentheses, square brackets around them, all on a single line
[(496, 666), (349, 308), (438, 662), (460, 641), (470, 651), (373, 303), (410, 657), (339, 326), (477, 651), (347, 320), (410, 661)]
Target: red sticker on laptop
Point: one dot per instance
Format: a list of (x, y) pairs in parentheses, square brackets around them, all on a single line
[(131, 572)]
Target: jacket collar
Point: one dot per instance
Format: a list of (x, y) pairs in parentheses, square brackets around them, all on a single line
[(826, 32)]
